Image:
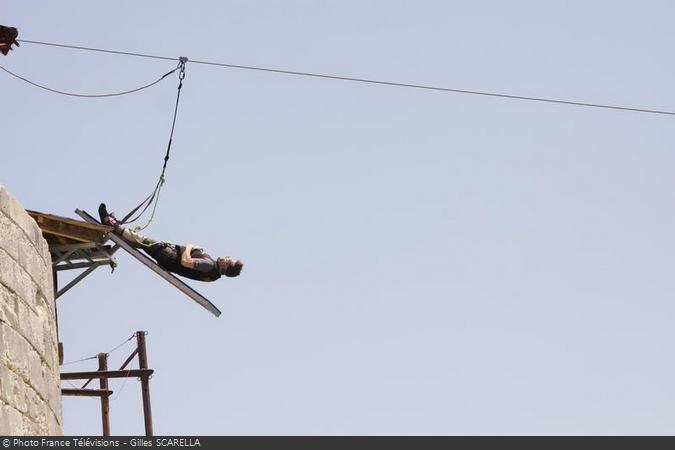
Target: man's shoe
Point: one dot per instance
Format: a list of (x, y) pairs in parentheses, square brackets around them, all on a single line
[(106, 217), (102, 212)]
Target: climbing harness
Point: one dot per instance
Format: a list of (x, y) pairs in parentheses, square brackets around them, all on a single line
[(154, 196)]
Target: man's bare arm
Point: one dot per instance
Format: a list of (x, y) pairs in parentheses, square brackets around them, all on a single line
[(186, 259)]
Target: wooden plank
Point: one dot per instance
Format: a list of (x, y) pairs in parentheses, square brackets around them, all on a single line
[(58, 240), (92, 226), (151, 264), (68, 228)]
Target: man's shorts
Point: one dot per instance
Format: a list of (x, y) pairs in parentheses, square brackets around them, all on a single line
[(166, 254)]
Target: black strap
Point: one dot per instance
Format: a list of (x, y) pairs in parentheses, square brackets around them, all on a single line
[(148, 200)]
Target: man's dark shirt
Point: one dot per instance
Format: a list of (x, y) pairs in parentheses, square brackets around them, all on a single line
[(168, 256)]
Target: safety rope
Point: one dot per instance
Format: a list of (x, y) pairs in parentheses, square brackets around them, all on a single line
[(79, 360), (107, 354), (96, 356), (154, 196), (74, 94), (124, 383), (121, 345)]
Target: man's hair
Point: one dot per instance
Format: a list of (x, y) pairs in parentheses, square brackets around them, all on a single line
[(233, 269)]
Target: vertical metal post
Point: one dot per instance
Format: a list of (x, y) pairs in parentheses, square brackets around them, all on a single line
[(55, 281), (145, 382), (105, 401)]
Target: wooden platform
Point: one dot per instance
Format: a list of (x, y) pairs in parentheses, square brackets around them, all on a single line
[(58, 230)]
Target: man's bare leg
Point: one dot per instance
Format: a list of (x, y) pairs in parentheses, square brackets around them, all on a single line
[(134, 239)]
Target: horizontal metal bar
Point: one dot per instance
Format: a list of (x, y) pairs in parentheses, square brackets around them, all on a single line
[(76, 280), (133, 373), (86, 392), (63, 257), (134, 353), (84, 265)]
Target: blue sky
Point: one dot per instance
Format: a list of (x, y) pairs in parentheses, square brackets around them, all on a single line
[(416, 262)]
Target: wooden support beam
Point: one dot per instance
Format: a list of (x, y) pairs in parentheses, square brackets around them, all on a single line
[(70, 231), (69, 228)]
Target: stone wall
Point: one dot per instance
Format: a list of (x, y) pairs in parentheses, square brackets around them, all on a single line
[(30, 393)]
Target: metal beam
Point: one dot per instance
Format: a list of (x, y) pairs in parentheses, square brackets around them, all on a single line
[(89, 256), (105, 401), (76, 280), (83, 265), (74, 392), (63, 256), (131, 373), (131, 357), (184, 288), (145, 382)]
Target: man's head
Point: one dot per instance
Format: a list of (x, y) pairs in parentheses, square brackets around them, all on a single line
[(229, 266)]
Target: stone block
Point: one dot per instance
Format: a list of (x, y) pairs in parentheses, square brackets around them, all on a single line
[(8, 206), (54, 427), (16, 279), (14, 351), (12, 236), (37, 374), (42, 275), (9, 305), (31, 428), (54, 401), (46, 286), (29, 324), (11, 421), (32, 265), (38, 329), (13, 390), (15, 212), (38, 412), (51, 350), (7, 272)]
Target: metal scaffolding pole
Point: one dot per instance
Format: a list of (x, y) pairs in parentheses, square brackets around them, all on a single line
[(145, 382), (105, 401)]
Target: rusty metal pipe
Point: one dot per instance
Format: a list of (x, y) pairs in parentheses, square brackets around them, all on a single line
[(145, 382), (134, 373), (105, 401)]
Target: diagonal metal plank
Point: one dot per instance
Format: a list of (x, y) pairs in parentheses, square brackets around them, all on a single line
[(151, 264)]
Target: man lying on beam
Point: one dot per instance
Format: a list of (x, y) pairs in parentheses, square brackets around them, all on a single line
[(189, 260)]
